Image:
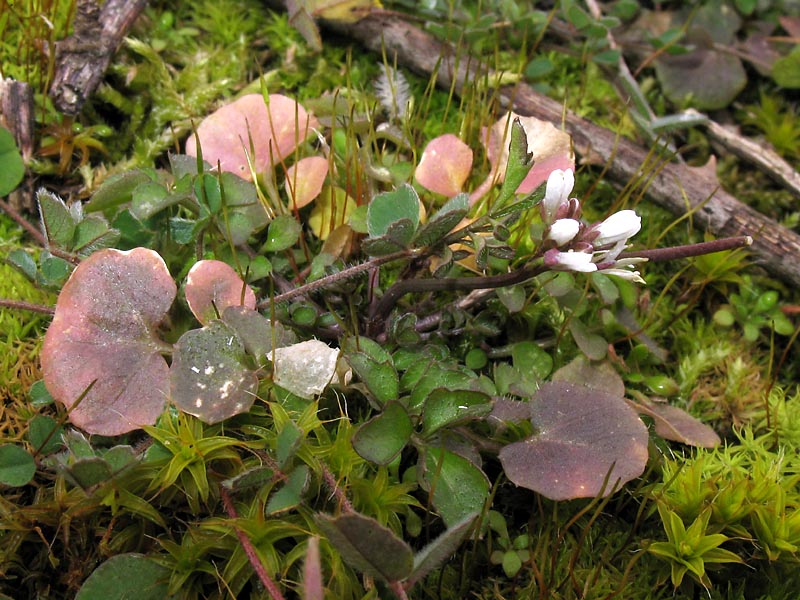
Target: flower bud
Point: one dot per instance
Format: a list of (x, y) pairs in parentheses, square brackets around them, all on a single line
[(563, 231), (559, 187)]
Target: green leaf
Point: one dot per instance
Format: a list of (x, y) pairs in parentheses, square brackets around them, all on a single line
[(256, 477), (459, 488), (150, 198), (382, 438), (258, 334), (93, 233), (440, 549), (208, 191), (39, 395), (520, 162), (291, 494), (397, 237), (283, 233), (368, 546), (445, 407), (12, 168), (530, 360), (380, 377), (511, 563), (44, 434), (591, 344), (116, 190), (126, 576), (57, 222), (24, 262), (607, 57), (289, 440), (786, 70), (17, 466), (87, 472), (388, 208), (54, 270), (539, 67), (513, 297), (443, 221)]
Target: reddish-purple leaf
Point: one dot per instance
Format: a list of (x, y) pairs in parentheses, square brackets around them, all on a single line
[(213, 284), (445, 165), (208, 378), (275, 131), (584, 436), (595, 375), (304, 180), (673, 423), (103, 331), (550, 147)]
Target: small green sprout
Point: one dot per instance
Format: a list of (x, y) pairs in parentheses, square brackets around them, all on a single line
[(690, 549), (754, 310)]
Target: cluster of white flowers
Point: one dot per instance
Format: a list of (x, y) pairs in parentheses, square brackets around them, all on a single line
[(582, 248)]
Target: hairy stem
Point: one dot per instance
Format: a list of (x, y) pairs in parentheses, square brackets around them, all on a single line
[(335, 278), (249, 549), (382, 309)]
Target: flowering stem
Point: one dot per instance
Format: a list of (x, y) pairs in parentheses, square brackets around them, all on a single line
[(689, 250), (330, 280), (382, 309)]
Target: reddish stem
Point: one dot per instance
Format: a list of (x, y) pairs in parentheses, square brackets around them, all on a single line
[(330, 482), (36, 234), (20, 305), (249, 549), (675, 252)]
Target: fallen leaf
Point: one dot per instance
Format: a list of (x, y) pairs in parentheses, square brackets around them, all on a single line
[(276, 131), (445, 165), (675, 424), (212, 286), (104, 332), (304, 369), (304, 180), (589, 442)]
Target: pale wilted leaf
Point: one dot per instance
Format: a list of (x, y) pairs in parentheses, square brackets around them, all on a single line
[(304, 369)]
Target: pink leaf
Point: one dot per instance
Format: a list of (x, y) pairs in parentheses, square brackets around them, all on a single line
[(673, 423), (212, 286), (304, 180), (445, 165), (584, 435), (276, 132), (550, 148), (103, 331)]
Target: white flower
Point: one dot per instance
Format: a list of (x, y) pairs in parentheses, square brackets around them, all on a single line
[(559, 187), (617, 228), (563, 231), (569, 261)]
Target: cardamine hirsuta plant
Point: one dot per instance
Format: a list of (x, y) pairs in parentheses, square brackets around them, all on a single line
[(107, 358)]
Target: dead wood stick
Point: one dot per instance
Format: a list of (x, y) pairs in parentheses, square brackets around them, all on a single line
[(16, 114), (762, 156), (83, 57), (676, 187)]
